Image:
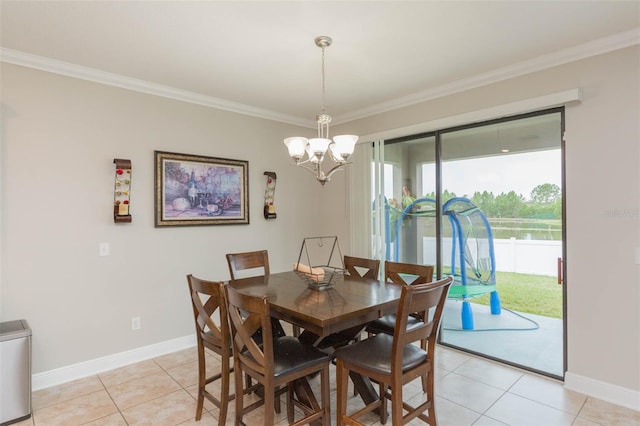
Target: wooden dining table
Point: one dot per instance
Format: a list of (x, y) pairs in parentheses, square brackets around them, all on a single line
[(350, 303)]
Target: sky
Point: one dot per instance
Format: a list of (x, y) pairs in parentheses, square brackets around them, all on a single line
[(510, 172)]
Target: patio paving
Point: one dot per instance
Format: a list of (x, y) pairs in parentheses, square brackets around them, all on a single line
[(532, 341)]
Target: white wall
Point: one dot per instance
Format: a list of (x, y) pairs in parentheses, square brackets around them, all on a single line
[(602, 177), (59, 138)]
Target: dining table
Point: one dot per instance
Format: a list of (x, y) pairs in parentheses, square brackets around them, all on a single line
[(350, 303)]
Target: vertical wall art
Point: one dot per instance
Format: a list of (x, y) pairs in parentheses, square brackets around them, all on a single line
[(122, 191)]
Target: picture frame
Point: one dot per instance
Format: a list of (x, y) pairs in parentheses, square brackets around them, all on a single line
[(192, 190)]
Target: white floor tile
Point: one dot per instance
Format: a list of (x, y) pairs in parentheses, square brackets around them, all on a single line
[(515, 410), (467, 392), (549, 392)]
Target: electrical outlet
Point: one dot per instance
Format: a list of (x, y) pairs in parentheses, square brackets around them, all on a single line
[(135, 323)]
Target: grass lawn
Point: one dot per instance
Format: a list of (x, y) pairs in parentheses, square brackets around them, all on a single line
[(534, 294)]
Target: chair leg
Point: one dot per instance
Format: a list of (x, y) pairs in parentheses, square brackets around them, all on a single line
[(199, 405), (276, 404), (290, 403), (431, 396), (269, 401), (326, 399), (202, 380), (342, 379), (396, 405), (248, 381), (239, 393), (355, 391), (425, 385), (384, 414), (224, 391)]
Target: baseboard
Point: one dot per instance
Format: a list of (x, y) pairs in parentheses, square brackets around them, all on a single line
[(614, 394), (92, 367)]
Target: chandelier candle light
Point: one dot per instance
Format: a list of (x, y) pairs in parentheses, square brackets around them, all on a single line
[(340, 148)]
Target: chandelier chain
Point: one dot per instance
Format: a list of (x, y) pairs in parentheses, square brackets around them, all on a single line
[(323, 79)]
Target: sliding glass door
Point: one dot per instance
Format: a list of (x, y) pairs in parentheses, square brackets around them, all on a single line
[(483, 203)]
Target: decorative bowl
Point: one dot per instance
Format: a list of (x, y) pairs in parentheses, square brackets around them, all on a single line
[(321, 281)]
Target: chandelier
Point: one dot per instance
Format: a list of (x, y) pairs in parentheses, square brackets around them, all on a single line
[(340, 148)]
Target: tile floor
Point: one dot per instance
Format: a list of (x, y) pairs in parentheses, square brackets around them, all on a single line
[(470, 391)]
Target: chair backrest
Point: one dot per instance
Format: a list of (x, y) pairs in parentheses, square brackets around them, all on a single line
[(248, 260), (362, 268), (429, 298), (247, 316), (399, 273), (206, 299)]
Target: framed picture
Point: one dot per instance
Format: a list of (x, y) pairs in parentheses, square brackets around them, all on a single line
[(196, 190)]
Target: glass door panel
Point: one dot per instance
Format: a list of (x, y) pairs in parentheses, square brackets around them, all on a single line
[(502, 240), (410, 187), (483, 203)]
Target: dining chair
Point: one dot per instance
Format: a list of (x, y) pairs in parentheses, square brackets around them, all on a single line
[(207, 300), (276, 363), (257, 263), (251, 264), (360, 267), (405, 274), (250, 260), (357, 267), (393, 360)]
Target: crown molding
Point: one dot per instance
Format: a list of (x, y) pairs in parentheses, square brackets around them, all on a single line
[(586, 50), (110, 79), (576, 53)]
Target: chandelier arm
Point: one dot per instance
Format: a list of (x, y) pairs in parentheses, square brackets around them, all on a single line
[(315, 171), (335, 169), (300, 163)]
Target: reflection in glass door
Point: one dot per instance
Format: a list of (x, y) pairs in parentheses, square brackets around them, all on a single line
[(410, 219)]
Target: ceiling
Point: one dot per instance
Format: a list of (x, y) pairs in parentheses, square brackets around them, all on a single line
[(259, 57)]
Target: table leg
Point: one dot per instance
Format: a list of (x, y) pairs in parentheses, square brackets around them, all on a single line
[(364, 388), (305, 395)]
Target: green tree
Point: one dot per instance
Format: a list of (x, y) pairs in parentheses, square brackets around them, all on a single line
[(446, 196), (546, 193), (508, 205), (486, 201), (557, 208)]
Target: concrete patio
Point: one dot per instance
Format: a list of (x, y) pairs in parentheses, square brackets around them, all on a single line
[(531, 341)]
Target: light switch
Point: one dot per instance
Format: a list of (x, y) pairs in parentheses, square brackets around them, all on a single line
[(104, 249)]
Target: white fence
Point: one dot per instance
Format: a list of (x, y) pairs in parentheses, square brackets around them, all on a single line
[(537, 257)]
